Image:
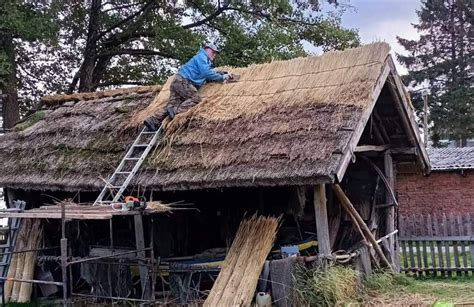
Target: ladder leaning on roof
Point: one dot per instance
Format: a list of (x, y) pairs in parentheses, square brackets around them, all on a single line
[(128, 167)]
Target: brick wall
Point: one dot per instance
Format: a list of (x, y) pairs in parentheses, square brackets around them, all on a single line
[(438, 193)]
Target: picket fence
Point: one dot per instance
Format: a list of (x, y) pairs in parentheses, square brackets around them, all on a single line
[(437, 245)]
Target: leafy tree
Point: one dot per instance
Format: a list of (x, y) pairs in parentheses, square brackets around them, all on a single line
[(112, 43), (19, 22), (441, 61)]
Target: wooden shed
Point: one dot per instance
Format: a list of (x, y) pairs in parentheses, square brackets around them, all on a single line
[(282, 141)]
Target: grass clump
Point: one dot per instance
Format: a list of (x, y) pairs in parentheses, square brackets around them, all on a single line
[(318, 287), (386, 280), (30, 120)]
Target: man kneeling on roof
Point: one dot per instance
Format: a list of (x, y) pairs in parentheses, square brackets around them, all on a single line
[(184, 88)]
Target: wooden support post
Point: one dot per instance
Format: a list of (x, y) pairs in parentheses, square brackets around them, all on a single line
[(347, 205), (140, 245), (322, 228), (390, 219)]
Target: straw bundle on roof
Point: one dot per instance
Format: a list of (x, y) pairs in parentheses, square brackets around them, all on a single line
[(237, 281)]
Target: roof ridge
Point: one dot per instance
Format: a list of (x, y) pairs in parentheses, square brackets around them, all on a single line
[(60, 98)]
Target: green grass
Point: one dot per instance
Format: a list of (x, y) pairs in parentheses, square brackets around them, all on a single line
[(385, 288)]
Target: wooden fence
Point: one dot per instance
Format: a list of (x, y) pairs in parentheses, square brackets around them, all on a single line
[(433, 245)]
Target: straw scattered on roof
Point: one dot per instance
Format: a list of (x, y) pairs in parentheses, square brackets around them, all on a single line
[(284, 123)]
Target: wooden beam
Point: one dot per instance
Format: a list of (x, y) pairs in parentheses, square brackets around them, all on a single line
[(364, 148), (320, 212), (347, 205), (347, 156), (381, 127), (140, 245), (404, 151), (55, 215), (390, 217)]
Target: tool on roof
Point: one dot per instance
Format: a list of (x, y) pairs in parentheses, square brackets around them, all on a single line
[(128, 167)]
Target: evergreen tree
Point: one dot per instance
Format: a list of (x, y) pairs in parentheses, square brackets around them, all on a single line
[(441, 62)]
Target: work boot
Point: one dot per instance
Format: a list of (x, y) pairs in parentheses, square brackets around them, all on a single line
[(170, 111), (150, 125)]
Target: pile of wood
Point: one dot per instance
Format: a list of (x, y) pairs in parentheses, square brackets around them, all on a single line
[(237, 281), (22, 265)]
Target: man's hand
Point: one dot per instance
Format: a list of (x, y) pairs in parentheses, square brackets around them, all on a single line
[(227, 76)]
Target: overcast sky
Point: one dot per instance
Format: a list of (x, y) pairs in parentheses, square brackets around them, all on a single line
[(383, 20)]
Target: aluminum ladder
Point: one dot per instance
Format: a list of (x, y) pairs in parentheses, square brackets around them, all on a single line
[(128, 167), (7, 246)]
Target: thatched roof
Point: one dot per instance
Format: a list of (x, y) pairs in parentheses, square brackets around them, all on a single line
[(285, 123)]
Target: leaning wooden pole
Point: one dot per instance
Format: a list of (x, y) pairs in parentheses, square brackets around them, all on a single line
[(347, 205)]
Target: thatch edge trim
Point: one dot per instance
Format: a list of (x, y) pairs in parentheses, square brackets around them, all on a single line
[(58, 99), (402, 100), (299, 181), (348, 152)]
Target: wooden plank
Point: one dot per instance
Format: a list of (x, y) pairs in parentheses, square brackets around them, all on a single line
[(455, 230), (404, 253), (431, 243), (412, 257), (362, 263), (443, 269), (48, 215), (140, 245), (462, 243), (469, 233), (390, 217), (321, 216), (446, 244), (365, 148), (439, 248), (438, 239), (347, 152), (424, 249)]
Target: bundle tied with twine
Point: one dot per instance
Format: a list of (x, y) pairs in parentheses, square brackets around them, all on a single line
[(237, 281), (22, 265)]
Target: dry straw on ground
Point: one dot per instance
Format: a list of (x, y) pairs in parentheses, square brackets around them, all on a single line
[(237, 281)]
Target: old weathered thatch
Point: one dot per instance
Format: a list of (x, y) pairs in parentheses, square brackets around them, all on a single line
[(285, 123), (69, 145)]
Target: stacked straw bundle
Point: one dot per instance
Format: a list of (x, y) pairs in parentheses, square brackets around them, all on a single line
[(22, 265), (237, 281)]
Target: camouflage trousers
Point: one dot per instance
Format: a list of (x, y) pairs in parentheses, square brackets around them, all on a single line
[(183, 96)]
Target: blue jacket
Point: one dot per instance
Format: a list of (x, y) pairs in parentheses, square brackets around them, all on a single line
[(198, 70)]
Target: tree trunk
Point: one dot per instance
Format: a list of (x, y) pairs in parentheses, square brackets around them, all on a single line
[(86, 75), (11, 109)]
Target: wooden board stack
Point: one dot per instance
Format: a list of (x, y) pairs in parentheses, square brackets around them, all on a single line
[(237, 281)]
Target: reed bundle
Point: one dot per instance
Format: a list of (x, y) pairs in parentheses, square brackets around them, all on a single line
[(22, 265), (157, 206), (237, 281)]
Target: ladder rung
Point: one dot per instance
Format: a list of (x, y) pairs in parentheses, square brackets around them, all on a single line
[(132, 159), (141, 145), (149, 132), (121, 173)]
